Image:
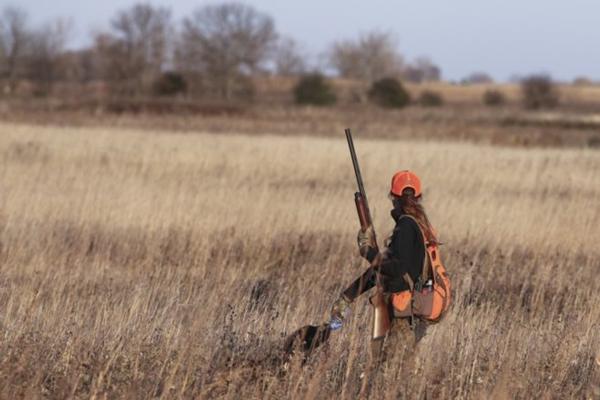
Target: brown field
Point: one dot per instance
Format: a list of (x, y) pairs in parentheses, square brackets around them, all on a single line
[(507, 126), (143, 263), (463, 117)]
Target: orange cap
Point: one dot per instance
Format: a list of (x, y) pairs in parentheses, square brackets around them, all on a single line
[(405, 179)]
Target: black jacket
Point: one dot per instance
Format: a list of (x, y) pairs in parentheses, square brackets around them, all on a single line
[(405, 253)]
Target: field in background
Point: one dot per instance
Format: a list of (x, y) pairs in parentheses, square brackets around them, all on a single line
[(463, 117), (506, 127), (467, 94), (152, 264), (278, 90)]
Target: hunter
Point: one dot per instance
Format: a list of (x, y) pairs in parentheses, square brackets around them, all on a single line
[(398, 270)]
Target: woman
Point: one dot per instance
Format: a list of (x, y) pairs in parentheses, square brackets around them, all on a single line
[(399, 267)]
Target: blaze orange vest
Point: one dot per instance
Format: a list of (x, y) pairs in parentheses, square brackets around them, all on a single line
[(427, 302)]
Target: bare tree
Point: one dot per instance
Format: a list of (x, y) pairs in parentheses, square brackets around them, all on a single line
[(45, 54), (83, 66), (431, 72), (412, 74), (289, 58), (371, 57), (224, 44), (582, 81), (14, 35), (135, 52), (422, 69), (478, 78)]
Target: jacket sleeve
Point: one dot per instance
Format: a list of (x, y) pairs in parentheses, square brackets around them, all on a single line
[(363, 283), (394, 265), (370, 254)]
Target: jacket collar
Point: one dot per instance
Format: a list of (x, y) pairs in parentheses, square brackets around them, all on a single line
[(396, 213)]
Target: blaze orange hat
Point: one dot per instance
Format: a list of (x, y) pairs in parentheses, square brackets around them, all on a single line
[(405, 179)]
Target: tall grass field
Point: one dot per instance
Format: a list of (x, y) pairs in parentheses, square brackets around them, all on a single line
[(151, 264)]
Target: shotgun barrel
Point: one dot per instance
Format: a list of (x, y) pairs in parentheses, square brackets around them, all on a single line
[(360, 197)]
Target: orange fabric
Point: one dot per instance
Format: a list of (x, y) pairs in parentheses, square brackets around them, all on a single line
[(401, 300), (441, 293), (405, 179)]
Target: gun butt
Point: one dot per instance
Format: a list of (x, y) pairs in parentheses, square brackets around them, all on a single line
[(381, 316)]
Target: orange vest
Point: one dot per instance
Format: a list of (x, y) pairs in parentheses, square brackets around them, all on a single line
[(428, 302)]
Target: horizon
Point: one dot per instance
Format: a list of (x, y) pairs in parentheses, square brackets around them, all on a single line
[(497, 38)]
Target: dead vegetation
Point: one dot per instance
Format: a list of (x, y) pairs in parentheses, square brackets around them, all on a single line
[(143, 264), (453, 122)]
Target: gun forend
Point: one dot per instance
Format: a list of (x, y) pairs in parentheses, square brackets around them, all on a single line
[(363, 211)]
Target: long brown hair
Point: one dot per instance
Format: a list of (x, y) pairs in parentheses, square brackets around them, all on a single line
[(410, 205)]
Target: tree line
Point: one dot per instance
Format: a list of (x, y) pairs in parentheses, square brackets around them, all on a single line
[(214, 52)]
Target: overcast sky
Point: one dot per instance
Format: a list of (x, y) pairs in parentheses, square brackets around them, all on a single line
[(501, 37)]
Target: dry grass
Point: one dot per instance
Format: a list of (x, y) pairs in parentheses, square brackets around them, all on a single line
[(463, 117), (143, 264), (477, 124)]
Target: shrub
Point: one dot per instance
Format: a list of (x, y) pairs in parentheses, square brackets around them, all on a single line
[(493, 97), (594, 142), (388, 92), (430, 98), (314, 89), (539, 92), (170, 84)]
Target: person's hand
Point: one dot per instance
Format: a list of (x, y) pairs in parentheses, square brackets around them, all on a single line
[(340, 310), (366, 241)]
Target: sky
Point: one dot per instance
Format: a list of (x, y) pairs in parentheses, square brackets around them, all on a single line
[(503, 38)]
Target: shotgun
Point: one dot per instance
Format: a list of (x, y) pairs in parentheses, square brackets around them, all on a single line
[(381, 314), (360, 197)]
